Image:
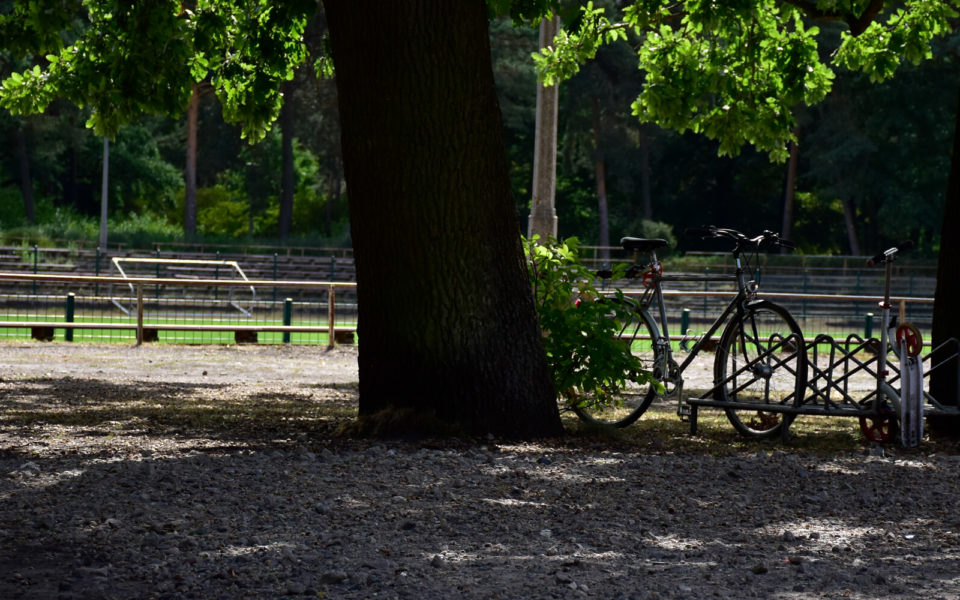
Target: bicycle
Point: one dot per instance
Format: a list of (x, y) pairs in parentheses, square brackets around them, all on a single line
[(760, 358)]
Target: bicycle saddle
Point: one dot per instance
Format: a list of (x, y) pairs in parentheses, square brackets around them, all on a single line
[(642, 244)]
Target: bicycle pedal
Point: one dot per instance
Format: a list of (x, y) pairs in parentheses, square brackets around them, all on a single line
[(684, 411)]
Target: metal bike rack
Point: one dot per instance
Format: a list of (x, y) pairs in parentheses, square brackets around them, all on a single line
[(828, 387)]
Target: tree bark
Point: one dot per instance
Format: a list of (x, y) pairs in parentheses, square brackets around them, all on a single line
[(447, 318), (26, 180), (288, 180), (946, 317), (190, 175)]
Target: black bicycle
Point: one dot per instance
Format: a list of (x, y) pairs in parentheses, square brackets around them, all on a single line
[(760, 357)]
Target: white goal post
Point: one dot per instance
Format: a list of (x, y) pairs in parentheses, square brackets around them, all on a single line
[(186, 262)]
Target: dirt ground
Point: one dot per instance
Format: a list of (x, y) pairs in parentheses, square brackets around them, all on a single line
[(219, 472)]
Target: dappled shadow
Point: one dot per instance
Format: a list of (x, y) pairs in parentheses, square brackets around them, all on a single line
[(223, 411), (479, 522)]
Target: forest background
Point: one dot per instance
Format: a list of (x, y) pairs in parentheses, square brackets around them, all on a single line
[(870, 168)]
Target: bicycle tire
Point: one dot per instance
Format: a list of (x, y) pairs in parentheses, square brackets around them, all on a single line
[(635, 398), (750, 367)]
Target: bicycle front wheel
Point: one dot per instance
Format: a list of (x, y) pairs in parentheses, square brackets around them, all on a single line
[(637, 329), (762, 362)]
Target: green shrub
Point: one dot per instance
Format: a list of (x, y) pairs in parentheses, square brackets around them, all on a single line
[(583, 353)]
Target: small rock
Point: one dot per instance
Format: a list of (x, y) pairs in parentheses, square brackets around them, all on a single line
[(333, 577), (437, 562), (758, 569), (295, 588)]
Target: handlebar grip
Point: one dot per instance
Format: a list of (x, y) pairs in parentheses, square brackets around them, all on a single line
[(787, 244), (882, 257)]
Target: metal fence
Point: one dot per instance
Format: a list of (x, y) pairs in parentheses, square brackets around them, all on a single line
[(201, 311), (221, 311)]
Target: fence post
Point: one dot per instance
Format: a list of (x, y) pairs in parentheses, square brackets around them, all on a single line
[(139, 314), (868, 326), (287, 318), (685, 321), (68, 317), (331, 330)]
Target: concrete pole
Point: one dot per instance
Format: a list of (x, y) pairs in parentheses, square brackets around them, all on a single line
[(543, 213)]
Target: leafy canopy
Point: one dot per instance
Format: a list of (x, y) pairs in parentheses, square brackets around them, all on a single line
[(734, 70), (123, 59)]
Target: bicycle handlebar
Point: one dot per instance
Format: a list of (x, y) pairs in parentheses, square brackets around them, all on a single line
[(711, 231), (889, 253)]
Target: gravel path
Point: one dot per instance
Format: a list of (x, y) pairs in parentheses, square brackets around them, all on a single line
[(197, 472)]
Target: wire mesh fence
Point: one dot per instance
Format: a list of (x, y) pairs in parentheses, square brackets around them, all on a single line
[(74, 308)]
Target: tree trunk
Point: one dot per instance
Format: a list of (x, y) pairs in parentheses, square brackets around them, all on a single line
[(334, 183), (26, 180), (447, 318), (645, 196), (946, 317), (288, 181), (600, 173), (543, 210), (849, 217), (789, 194), (190, 176)]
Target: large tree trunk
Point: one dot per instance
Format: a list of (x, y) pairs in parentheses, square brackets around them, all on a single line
[(190, 175), (288, 181), (447, 320), (946, 317), (26, 180)]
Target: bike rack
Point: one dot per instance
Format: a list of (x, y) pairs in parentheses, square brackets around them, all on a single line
[(828, 388)]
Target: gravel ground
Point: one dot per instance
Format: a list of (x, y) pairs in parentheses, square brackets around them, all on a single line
[(198, 472)]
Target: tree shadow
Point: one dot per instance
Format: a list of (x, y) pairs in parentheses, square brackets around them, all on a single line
[(227, 412), (524, 521)]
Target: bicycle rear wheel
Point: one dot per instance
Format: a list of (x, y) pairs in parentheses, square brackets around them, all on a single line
[(639, 331), (761, 361)]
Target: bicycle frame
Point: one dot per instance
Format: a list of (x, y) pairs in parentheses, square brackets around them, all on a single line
[(746, 291)]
